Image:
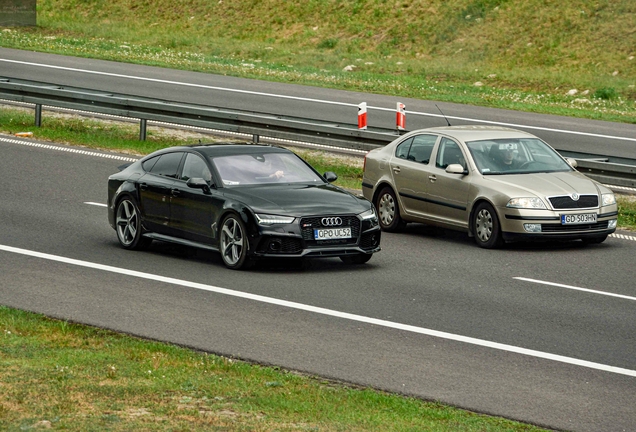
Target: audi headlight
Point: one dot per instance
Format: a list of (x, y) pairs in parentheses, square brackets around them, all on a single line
[(369, 216), (526, 203), (608, 199), (268, 219)]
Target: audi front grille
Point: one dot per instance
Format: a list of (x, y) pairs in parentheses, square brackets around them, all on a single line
[(309, 224)]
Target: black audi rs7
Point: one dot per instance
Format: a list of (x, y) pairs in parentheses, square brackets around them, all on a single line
[(246, 201)]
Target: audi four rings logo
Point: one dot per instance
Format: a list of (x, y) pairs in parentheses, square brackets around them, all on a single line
[(331, 221)]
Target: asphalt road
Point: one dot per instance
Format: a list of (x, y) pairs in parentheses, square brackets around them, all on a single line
[(431, 315), (539, 333), (563, 133)]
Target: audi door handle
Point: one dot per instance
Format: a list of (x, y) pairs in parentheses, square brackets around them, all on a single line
[(175, 192), (143, 186)]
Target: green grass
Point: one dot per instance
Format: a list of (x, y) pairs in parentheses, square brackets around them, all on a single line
[(627, 212), (526, 55), (73, 377)]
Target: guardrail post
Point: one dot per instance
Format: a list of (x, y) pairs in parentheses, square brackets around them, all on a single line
[(38, 115), (255, 138), (142, 129)]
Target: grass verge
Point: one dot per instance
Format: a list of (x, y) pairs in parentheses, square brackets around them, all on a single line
[(66, 376)]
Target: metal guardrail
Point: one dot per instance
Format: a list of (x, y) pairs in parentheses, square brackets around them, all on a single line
[(608, 173), (144, 109), (252, 123)]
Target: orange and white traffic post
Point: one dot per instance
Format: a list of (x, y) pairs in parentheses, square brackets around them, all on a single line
[(400, 117), (362, 116)]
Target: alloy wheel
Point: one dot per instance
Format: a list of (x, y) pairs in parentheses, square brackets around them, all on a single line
[(232, 241), (127, 222)]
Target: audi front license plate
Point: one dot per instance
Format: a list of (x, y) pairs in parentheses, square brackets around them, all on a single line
[(332, 233), (581, 218)]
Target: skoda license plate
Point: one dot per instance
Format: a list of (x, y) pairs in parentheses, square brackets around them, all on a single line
[(581, 218), (332, 233)]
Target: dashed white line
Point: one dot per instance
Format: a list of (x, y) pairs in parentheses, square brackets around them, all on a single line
[(326, 312), (575, 288), (68, 149), (623, 236), (96, 204)]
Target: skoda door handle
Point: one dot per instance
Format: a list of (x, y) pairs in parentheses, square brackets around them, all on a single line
[(432, 178), (175, 192), (143, 186), (396, 170)]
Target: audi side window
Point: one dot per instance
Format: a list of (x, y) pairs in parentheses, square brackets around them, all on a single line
[(167, 165), (421, 148), (194, 167), (402, 150), (147, 165)]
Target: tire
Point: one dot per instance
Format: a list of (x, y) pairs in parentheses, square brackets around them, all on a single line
[(486, 229), (233, 243), (356, 259), (594, 240), (388, 211), (128, 225)]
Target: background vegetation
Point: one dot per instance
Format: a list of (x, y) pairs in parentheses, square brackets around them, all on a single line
[(63, 376), (572, 58)]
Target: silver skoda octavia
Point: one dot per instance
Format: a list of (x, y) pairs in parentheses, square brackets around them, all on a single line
[(497, 184)]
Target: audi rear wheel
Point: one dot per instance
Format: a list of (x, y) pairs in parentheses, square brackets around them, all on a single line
[(128, 225)]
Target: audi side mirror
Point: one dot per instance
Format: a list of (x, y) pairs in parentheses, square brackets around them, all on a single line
[(330, 176), (198, 183)]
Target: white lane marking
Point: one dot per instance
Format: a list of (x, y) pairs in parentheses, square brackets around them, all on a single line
[(575, 288), (69, 149), (622, 236), (96, 204), (311, 99), (327, 312)]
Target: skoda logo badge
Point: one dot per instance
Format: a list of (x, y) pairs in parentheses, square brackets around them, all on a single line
[(331, 221), (574, 196)]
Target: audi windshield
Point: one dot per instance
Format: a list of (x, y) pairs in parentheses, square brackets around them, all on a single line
[(267, 168)]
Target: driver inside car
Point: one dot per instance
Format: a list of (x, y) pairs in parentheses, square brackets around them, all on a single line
[(504, 156)]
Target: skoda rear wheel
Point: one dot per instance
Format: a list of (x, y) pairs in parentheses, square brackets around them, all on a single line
[(486, 227), (388, 211), (128, 225), (233, 243)]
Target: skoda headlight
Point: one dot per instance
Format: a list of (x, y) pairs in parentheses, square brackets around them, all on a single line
[(608, 199), (526, 203), (268, 219)]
